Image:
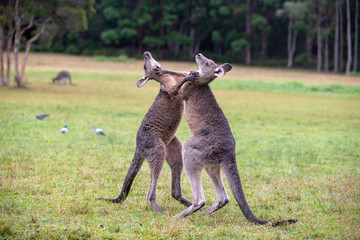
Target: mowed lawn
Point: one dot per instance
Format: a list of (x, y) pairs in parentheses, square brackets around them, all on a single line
[(298, 151)]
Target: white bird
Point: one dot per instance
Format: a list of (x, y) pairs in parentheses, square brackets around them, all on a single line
[(98, 131), (64, 129)]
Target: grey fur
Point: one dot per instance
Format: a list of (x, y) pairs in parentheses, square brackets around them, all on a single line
[(62, 78), (212, 145), (156, 140)]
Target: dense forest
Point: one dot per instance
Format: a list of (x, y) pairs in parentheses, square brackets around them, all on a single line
[(318, 34)]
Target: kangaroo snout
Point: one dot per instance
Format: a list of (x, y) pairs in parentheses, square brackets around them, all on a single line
[(200, 59), (147, 54)]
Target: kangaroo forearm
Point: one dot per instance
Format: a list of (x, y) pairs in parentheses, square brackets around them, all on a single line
[(164, 71), (175, 90)]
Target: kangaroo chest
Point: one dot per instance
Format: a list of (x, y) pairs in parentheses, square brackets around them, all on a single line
[(164, 116)]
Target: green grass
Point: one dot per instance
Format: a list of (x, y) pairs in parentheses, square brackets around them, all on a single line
[(355, 74), (111, 59), (290, 87), (298, 153)]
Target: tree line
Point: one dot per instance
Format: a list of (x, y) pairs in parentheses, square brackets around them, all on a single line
[(321, 34)]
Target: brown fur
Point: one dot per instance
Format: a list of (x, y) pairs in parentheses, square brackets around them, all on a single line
[(62, 77), (212, 145), (156, 140)]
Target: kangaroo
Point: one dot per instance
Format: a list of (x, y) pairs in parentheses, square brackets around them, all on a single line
[(212, 145), (156, 140), (62, 77)]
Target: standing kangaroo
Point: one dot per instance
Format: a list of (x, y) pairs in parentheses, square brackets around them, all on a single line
[(212, 145), (156, 140), (62, 77)]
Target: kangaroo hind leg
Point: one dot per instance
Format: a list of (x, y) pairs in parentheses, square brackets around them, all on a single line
[(174, 159), (193, 171), (156, 161), (198, 195), (221, 195)]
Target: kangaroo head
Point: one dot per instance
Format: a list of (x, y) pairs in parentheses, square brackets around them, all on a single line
[(209, 70), (152, 69)]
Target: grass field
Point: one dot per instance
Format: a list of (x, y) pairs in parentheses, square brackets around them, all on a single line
[(298, 153)]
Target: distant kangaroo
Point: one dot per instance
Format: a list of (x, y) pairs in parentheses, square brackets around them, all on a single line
[(212, 145), (156, 140), (62, 77)]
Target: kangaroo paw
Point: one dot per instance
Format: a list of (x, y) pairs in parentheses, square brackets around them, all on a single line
[(194, 73)]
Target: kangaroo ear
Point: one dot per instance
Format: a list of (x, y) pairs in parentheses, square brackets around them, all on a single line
[(226, 66), (220, 71), (142, 81)]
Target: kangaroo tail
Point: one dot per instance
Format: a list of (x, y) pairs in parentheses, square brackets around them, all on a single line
[(129, 179), (233, 177), (282, 223)]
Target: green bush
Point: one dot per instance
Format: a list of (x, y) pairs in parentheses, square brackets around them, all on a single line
[(301, 60), (238, 45), (72, 49)]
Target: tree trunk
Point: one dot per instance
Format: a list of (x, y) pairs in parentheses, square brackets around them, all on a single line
[(293, 47), (341, 29), (308, 47), (248, 32), (264, 42), (8, 52), (309, 36), (31, 40), (336, 41), (19, 81), (326, 52), (319, 42), (348, 63), (356, 43), (291, 43), (2, 82)]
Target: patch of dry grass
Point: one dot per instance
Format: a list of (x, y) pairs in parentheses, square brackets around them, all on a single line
[(58, 62)]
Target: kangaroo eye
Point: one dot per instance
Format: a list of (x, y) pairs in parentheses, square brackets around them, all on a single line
[(207, 64)]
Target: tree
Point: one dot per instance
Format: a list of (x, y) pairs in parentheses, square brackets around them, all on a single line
[(248, 32), (319, 40), (356, 40), (261, 23), (6, 22), (295, 11), (341, 40), (310, 20), (336, 40), (264, 15), (348, 63), (2, 80), (33, 17), (327, 27)]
